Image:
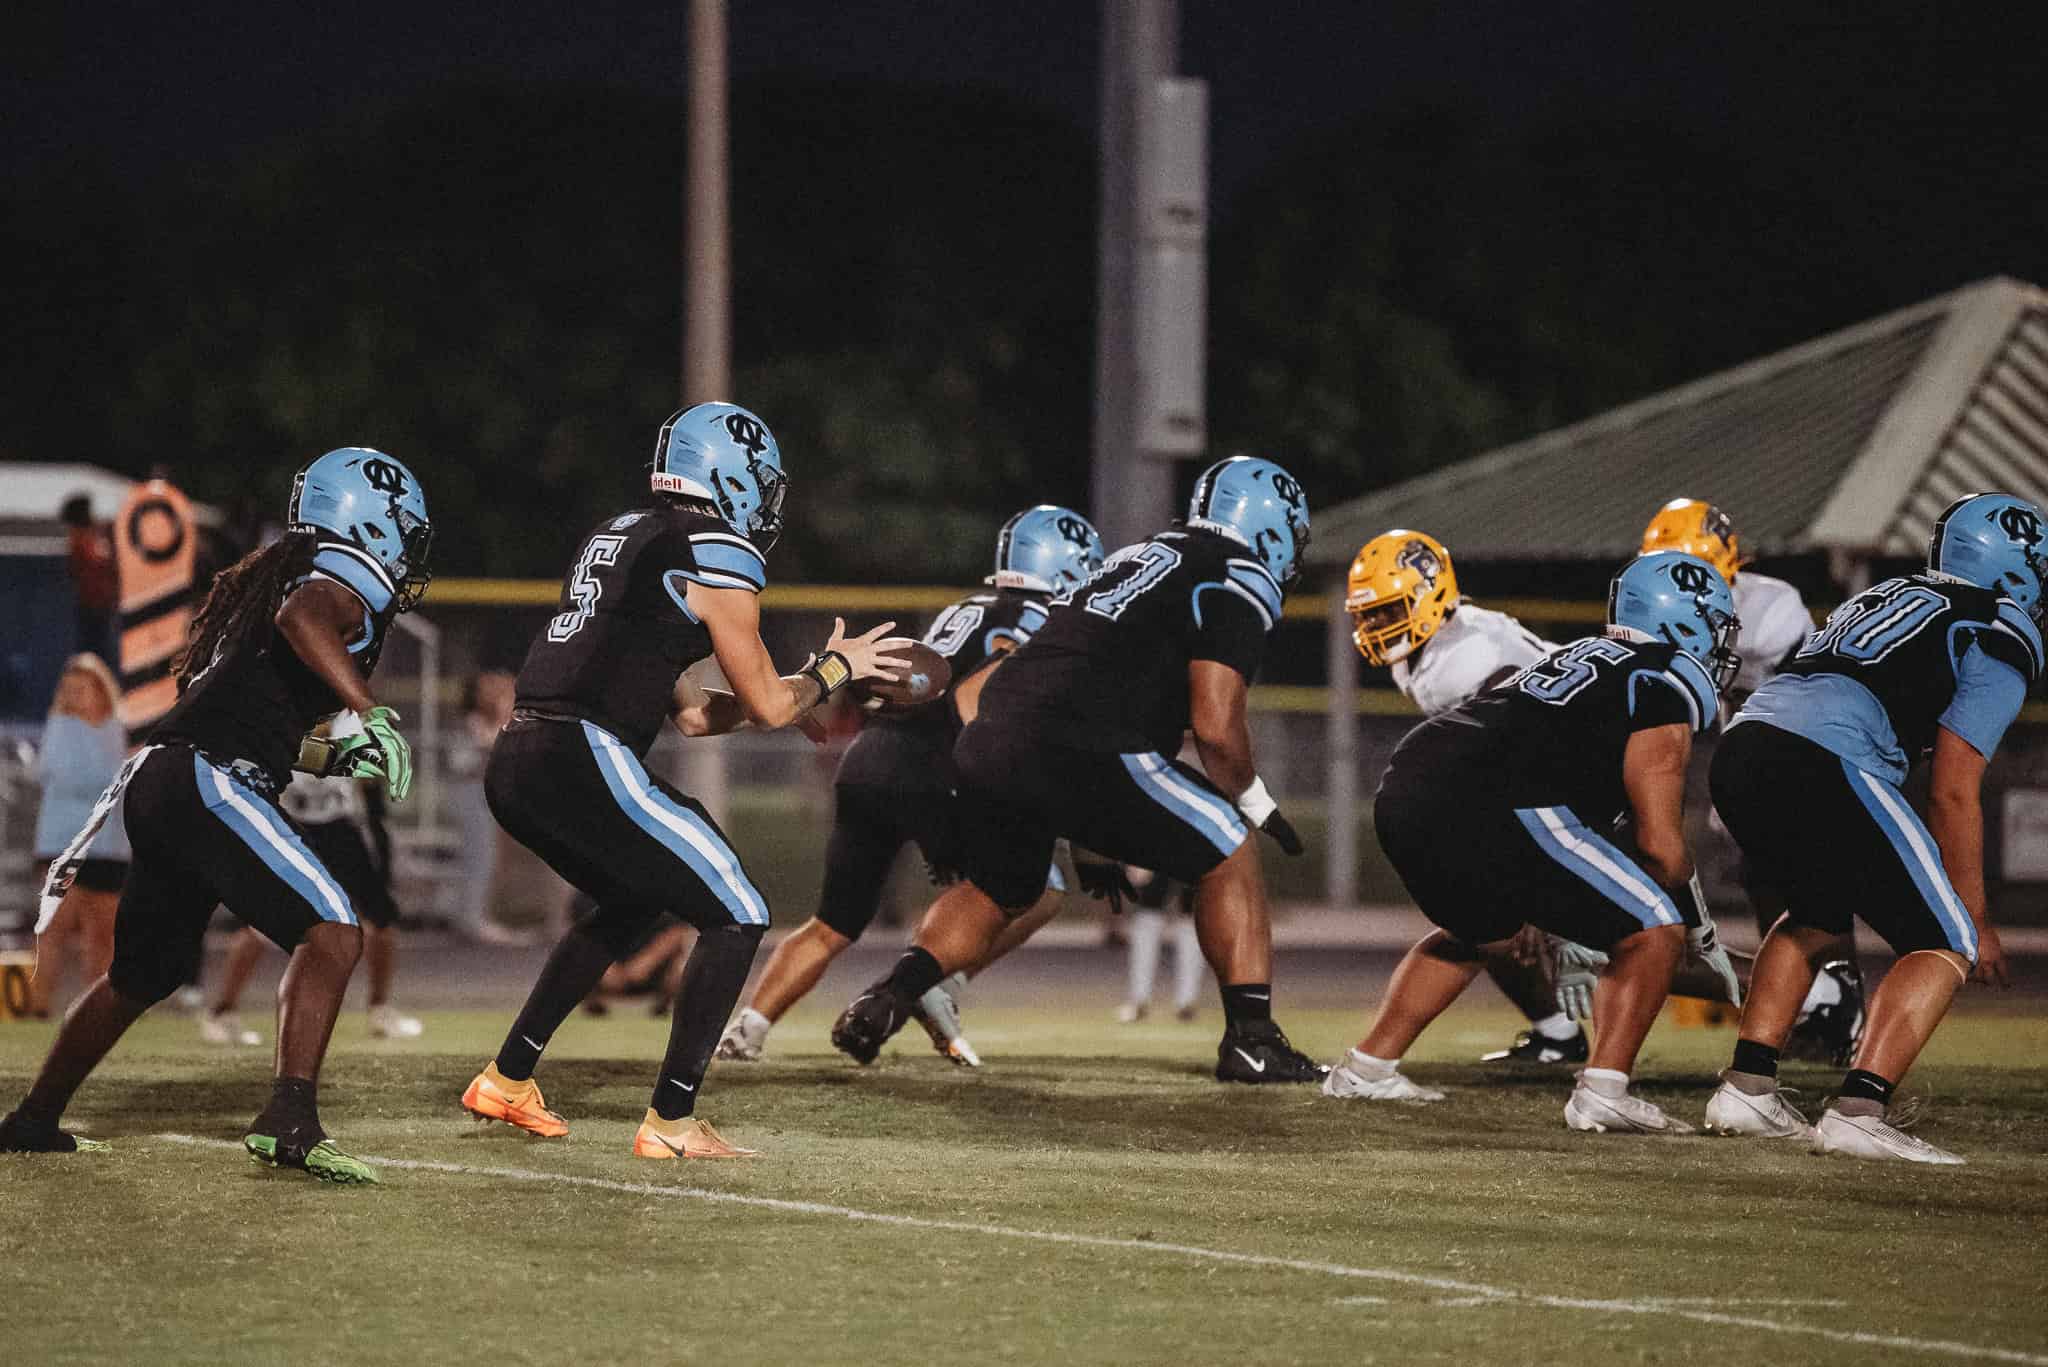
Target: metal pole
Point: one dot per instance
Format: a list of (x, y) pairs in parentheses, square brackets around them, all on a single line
[(1340, 787), (707, 297), (1130, 497)]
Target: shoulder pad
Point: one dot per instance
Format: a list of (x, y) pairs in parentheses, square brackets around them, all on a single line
[(1692, 679), (1256, 580), (2013, 622), (726, 560)]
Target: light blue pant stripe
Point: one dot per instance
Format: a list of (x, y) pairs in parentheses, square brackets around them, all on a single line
[(1918, 852), (259, 826), (685, 834), (1609, 872), (1218, 821)]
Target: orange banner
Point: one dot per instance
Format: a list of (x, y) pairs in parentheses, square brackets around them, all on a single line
[(155, 541)]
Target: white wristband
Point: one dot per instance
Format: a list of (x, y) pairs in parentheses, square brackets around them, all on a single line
[(1256, 803)]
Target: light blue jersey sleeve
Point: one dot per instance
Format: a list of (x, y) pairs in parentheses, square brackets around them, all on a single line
[(1988, 696), (726, 561)]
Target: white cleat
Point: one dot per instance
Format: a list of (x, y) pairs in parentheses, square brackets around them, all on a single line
[(939, 1014), (225, 1027), (1732, 1111), (388, 1022), (743, 1039), (1588, 1110), (1347, 1084), (1868, 1136), (1130, 1013)]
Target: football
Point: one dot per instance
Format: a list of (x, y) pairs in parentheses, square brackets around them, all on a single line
[(922, 682)]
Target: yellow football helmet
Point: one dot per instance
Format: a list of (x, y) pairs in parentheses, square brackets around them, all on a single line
[(1400, 591), (1701, 529)]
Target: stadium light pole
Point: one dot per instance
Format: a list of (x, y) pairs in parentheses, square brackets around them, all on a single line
[(707, 296)]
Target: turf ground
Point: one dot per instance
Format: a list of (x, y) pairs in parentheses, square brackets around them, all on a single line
[(1090, 1197)]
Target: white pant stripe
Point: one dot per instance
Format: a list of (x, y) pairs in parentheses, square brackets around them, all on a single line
[(1908, 825), (715, 853), (1223, 819), (1631, 881), (259, 819)]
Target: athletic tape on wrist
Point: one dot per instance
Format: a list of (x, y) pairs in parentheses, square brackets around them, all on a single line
[(1256, 803)]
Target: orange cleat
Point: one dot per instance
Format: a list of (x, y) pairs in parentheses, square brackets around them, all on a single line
[(685, 1138), (493, 1096)]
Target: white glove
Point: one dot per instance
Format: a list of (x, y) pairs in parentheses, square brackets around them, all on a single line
[(1704, 941), (1575, 971)]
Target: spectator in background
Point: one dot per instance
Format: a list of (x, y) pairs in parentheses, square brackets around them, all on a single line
[(84, 744), (1158, 901), (95, 578), (486, 709)]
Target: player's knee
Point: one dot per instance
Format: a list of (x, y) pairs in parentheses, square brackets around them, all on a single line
[(336, 945), (1448, 948), (618, 930), (147, 982)]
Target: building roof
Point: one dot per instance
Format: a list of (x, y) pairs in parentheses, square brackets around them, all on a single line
[(1852, 442)]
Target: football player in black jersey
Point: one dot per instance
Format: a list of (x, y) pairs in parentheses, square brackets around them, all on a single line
[(895, 785), (1492, 814), (287, 636), (1072, 737), (651, 593), (1807, 781)]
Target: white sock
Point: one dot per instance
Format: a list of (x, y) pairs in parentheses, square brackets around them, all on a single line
[(1605, 1081), (1187, 963), (954, 985), (754, 1025), (1556, 1026), (1147, 929), (1370, 1067)]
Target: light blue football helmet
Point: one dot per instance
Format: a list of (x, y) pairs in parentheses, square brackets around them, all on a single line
[(1995, 542), (370, 517), (1679, 598), (723, 454), (1254, 501), (1047, 548)]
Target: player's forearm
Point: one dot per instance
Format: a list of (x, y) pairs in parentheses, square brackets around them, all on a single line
[(1957, 825), (713, 713), (323, 651), (1227, 759)]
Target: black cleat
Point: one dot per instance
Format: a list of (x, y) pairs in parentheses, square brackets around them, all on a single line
[(18, 1137), (1259, 1052), (1830, 1032), (1530, 1047), (867, 1024)]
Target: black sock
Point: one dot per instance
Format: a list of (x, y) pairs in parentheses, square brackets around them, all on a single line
[(1751, 1057), (293, 1113), (1245, 1003), (571, 972), (712, 980), (915, 974), (1862, 1086)]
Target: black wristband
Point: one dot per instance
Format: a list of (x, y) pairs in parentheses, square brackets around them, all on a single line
[(831, 671)]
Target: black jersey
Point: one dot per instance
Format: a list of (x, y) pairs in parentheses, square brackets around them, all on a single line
[(1899, 660), (1109, 672), (915, 752), (1554, 734), (256, 699), (625, 633)]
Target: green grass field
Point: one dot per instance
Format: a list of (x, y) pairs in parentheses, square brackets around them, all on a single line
[(1306, 1230)]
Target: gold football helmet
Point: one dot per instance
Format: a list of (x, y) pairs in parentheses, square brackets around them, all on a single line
[(1701, 529), (1400, 591)]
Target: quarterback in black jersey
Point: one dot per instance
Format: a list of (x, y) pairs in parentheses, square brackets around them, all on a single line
[(651, 593), (1807, 781), (288, 636), (1493, 813), (895, 785), (1072, 737)]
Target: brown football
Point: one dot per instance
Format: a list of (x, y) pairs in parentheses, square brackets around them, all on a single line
[(923, 681)]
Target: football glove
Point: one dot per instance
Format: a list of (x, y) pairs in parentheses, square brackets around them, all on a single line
[(1259, 808), (378, 751), (1576, 970), (1103, 878), (1704, 941)]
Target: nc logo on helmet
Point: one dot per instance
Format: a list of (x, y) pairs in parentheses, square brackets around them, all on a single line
[(1690, 577), (1076, 531), (746, 433), (1289, 491), (385, 477), (2021, 524)]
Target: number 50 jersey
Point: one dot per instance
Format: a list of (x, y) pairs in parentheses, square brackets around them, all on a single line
[(1109, 670), (624, 631)]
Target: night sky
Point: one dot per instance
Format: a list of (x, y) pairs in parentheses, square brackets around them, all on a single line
[(1899, 104)]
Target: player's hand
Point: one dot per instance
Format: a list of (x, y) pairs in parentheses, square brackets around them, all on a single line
[(1530, 946), (379, 751), (871, 655), (1704, 941), (1576, 971), (1990, 969), (1262, 811), (1103, 878)]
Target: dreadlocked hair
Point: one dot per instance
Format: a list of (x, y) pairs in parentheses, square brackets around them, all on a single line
[(245, 596)]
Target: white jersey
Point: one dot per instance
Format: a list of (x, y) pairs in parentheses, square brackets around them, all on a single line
[(1469, 649), (1774, 622)]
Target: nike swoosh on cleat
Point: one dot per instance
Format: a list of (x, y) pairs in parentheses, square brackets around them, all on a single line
[(1257, 1065)]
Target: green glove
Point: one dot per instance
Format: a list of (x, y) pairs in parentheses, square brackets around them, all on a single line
[(379, 752)]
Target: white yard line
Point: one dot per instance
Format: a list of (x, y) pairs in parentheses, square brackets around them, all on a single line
[(1472, 1293)]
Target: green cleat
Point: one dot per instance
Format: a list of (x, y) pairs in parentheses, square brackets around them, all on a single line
[(324, 1160), (17, 1137)]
